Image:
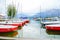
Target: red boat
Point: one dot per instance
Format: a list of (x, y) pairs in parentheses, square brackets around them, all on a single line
[(19, 24), (53, 27), (15, 24), (8, 28), (26, 21), (12, 23)]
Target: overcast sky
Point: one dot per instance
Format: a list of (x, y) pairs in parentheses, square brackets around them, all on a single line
[(29, 7)]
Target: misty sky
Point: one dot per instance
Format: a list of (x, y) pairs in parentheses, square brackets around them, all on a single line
[(29, 7)]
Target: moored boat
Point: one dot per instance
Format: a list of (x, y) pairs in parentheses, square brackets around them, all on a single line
[(8, 28), (53, 27)]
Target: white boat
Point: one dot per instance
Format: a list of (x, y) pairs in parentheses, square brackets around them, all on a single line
[(50, 23), (54, 20)]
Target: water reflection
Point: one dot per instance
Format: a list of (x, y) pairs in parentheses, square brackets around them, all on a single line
[(51, 32), (43, 26), (9, 34)]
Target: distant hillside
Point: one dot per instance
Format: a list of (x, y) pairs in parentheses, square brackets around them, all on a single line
[(48, 13), (21, 15)]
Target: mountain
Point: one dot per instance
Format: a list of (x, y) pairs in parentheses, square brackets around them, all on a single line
[(48, 13), (21, 15)]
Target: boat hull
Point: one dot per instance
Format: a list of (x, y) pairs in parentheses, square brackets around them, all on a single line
[(48, 27), (3, 29)]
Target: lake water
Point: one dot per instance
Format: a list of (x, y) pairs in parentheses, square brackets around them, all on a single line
[(35, 30)]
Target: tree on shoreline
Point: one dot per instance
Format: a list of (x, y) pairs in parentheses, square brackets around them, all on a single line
[(11, 11)]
